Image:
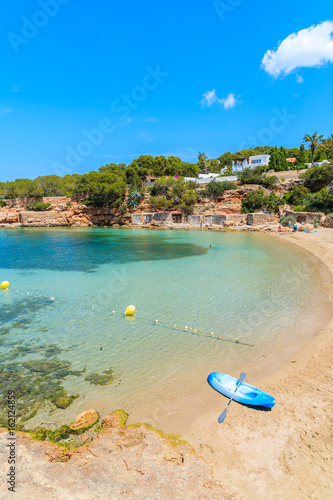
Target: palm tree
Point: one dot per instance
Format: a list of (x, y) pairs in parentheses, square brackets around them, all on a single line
[(313, 141)]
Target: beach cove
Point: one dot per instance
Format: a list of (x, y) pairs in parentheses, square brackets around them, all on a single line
[(196, 414), (286, 452)]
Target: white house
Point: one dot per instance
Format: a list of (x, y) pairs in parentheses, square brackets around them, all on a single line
[(208, 176), (254, 161), (206, 180), (318, 163)]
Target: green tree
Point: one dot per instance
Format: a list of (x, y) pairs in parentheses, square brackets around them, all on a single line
[(159, 167), (173, 166), (51, 185), (314, 141), (214, 189), (225, 159), (302, 156), (203, 162), (102, 189), (144, 161), (328, 147), (273, 160)]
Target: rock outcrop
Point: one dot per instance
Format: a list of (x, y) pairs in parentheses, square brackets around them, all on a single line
[(134, 461)]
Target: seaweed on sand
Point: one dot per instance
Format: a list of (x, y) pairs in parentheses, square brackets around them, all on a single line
[(34, 382), (104, 378)]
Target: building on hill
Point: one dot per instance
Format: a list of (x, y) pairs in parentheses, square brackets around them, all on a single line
[(319, 163), (291, 160), (208, 176), (253, 161)]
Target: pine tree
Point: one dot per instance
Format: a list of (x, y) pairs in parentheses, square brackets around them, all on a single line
[(302, 155), (273, 163)]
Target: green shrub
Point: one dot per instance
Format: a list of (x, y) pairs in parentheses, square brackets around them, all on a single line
[(215, 189), (285, 220), (300, 208), (315, 225), (297, 195), (38, 206), (322, 200), (255, 201), (318, 176), (69, 204), (2, 203), (257, 176), (160, 203), (123, 209), (134, 197)]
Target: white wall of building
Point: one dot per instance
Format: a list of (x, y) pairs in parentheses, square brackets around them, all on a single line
[(252, 162)]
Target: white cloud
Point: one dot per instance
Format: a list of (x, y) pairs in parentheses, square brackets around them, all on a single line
[(309, 48), (229, 102), (299, 79), (209, 98)]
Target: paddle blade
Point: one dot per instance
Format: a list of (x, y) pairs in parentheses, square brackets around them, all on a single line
[(222, 416)]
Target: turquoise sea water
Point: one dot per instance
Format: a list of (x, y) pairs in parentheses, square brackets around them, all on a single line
[(248, 287)]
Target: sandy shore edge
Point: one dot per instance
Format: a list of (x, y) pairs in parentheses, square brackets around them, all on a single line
[(286, 452)]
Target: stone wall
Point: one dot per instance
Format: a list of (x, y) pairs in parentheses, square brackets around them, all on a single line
[(194, 220), (260, 218), (162, 217), (219, 220), (328, 221), (136, 219), (237, 219), (43, 219), (20, 203), (9, 218), (305, 217)]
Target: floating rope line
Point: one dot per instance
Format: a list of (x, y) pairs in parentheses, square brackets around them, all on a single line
[(195, 331), (150, 320)]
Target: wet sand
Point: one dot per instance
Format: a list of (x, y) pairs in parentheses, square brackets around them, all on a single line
[(286, 452)]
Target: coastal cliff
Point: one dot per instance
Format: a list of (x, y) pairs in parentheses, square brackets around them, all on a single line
[(223, 211), (63, 211)]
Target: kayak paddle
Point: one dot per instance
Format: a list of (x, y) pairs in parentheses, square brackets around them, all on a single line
[(224, 413)]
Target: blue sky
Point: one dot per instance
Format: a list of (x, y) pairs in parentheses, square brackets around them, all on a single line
[(68, 68)]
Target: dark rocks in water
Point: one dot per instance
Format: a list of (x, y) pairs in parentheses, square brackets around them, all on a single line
[(65, 401)]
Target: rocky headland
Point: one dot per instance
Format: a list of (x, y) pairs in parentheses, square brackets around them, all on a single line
[(116, 461)]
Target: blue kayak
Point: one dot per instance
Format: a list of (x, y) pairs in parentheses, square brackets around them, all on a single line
[(246, 394)]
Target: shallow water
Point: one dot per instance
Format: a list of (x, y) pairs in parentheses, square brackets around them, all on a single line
[(248, 287)]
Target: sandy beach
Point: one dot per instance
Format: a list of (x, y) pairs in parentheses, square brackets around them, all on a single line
[(286, 452)]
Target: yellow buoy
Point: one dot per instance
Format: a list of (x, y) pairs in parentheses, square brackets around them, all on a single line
[(4, 284), (130, 310)]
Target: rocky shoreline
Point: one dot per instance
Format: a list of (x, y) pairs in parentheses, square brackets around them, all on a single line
[(116, 461), (224, 212)]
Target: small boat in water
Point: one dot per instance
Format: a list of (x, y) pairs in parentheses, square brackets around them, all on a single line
[(246, 393)]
